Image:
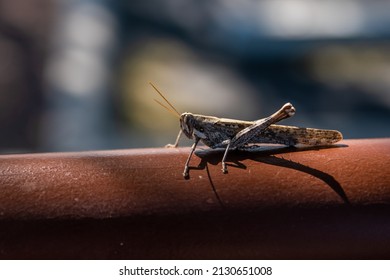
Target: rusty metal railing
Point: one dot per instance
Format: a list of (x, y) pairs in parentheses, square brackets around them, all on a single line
[(277, 203)]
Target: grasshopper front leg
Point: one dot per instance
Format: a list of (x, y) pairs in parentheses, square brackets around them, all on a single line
[(176, 142), (186, 166), (247, 134)]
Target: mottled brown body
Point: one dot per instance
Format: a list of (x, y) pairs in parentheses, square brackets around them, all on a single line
[(218, 130), (246, 135)]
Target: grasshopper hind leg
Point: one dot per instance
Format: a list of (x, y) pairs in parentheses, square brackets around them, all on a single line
[(250, 148), (243, 137)]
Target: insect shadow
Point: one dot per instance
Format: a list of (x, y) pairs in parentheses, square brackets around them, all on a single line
[(267, 155)]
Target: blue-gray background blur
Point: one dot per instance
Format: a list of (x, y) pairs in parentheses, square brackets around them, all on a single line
[(74, 73)]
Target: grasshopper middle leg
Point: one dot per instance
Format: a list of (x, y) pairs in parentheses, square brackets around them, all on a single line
[(186, 166)]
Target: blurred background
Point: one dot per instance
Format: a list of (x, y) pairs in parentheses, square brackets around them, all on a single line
[(74, 73)]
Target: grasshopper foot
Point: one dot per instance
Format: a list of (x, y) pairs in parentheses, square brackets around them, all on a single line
[(186, 173), (170, 146), (224, 168)]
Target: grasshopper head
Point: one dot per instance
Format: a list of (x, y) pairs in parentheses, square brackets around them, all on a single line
[(191, 125), (187, 124)]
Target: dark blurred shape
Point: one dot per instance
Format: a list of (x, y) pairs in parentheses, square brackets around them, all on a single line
[(20, 88)]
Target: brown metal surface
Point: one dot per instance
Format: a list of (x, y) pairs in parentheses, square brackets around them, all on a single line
[(276, 203)]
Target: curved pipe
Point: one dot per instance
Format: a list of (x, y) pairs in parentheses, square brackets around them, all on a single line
[(276, 203)]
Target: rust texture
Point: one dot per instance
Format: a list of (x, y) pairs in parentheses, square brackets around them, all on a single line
[(277, 203)]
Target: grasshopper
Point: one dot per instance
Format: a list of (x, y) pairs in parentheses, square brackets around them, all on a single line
[(241, 135)]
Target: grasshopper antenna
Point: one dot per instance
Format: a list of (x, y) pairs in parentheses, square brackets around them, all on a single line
[(168, 109), (166, 100)]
